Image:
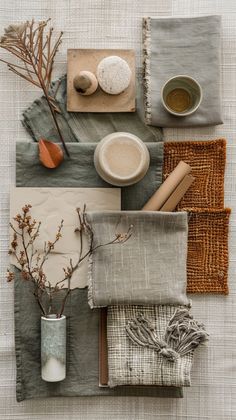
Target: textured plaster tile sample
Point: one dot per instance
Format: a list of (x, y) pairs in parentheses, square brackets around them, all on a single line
[(50, 206)]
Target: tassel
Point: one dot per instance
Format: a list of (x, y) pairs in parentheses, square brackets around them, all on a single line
[(183, 334), (142, 333)]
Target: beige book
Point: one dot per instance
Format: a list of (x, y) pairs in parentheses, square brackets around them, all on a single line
[(103, 356), (166, 189)]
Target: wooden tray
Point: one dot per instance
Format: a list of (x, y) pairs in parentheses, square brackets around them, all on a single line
[(88, 59)]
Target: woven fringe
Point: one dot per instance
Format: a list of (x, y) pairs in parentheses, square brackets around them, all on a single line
[(146, 68), (183, 334)]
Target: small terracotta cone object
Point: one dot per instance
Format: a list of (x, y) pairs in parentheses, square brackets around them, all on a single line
[(50, 154), (85, 83)]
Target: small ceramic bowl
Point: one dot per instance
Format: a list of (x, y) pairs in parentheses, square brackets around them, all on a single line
[(121, 159), (181, 95)]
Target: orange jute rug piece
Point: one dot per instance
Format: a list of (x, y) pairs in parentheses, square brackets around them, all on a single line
[(207, 261), (207, 160)]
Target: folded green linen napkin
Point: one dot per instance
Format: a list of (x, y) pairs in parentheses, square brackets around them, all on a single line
[(82, 351), (84, 126), (150, 345), (149, 268), (189, 46), (79, 171)]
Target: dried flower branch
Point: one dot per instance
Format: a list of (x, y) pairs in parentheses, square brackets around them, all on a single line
[(22, 247), (36, 50)]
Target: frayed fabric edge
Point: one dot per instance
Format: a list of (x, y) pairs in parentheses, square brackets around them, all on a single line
[(91, 303), (90, 282), (146, 68)]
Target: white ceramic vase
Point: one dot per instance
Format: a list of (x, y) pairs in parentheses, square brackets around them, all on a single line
[(53, 348)]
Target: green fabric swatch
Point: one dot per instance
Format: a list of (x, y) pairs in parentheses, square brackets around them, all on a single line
[(79, 171), (82, 351), (85, 126)]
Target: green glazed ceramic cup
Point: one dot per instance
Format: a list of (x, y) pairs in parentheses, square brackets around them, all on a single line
[(53, 348)]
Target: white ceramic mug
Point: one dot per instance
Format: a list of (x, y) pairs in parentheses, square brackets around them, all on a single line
[(181, 95)]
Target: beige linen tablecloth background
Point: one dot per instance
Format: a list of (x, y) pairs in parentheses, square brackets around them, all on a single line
[(117, 24)]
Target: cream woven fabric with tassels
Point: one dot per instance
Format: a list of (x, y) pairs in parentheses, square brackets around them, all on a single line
[(151, 345)]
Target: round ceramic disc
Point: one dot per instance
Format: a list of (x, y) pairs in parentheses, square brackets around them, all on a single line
[(113, 75)]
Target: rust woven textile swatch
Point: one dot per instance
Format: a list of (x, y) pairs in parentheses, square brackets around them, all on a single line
[(207, 159), (207, 260)]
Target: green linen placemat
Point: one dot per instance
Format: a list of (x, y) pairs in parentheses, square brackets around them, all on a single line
[(82, 351), (83, 126), (79, 171)]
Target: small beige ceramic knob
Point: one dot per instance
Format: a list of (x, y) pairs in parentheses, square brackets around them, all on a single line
[(114, 75), (85, 83)]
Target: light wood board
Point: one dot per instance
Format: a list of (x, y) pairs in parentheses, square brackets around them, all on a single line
[(88, 59)]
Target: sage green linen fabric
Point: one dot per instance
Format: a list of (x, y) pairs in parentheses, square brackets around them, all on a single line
[(149, 268), (79, 171), (84, 126), (190, 46), (82, 351), (82, 322)]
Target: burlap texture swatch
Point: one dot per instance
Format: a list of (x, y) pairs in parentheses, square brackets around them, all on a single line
[(207, 160), (207, 262)]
